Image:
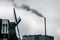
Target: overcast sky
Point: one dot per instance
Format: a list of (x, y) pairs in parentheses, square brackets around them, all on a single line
[(31, 23)]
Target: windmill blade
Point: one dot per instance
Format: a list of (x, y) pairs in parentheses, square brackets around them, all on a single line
[(16, 21), (15, 15), (19, 19)]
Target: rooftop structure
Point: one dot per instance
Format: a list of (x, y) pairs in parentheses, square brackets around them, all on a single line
[(37, 37)]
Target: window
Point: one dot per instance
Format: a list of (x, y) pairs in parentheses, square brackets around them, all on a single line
[(4, 26)]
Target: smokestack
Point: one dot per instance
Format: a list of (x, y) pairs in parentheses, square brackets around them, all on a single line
[(45, 25), (45, 28)]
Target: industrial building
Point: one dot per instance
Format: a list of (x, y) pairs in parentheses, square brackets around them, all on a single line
[(37, 37)]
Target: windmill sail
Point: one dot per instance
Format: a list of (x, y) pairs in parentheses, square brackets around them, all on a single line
[(15, 15), (16, 21)]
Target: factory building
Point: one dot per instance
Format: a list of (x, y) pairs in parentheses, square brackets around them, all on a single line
[(37, 37), (47, 37), (28, 37)]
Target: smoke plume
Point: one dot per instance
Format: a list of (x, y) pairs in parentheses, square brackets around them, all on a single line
[(37, 13), (25, 7)]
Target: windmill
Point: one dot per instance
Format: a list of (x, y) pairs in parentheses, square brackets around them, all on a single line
[(16, 22), (7, 28)]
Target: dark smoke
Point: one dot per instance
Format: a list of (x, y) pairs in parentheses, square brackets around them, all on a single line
[(37, 13), (17, 5), (25, 7)]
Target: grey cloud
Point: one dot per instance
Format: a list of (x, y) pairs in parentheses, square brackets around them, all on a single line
[(11, 0)]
